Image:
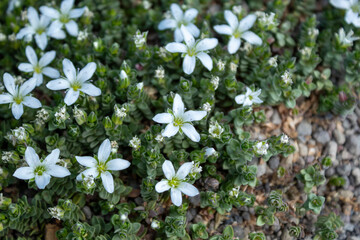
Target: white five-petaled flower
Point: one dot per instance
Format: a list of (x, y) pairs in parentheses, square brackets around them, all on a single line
[(38, 27), (178, 119), (18, 95), (249, 97), (192, 50), (261, 148), (238, 30), (346, 40), (179, 19), (75, 81), (41, 170), (39, 67), (64, 17), (101, 166), (176, 182), (352, 8)]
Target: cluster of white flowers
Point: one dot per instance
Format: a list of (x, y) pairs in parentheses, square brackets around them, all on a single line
[(140, 38), (267, 20), (114, 146), (346, 40), (160, 72), (273, 61), (287, 78), (207, 107), (6, 156), (135, 143), (284, 138), (220, 65), (261, 148), (235, 192), (196, 168), (159, 138), (61, 115), (120, 112), (19, 134), (215, 81), (56, 212), (215, 129)]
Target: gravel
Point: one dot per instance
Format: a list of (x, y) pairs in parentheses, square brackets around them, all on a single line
[(356, 174), (274, 162), (353, 144), (304, 129), (322, 136), (339, 137)]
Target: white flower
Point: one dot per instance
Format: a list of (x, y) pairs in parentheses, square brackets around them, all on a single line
[(206, 107), (140, 86), (39, 67), (2, 37), (38, 27), (135, 143), (75, 81), (82, 35), (215, 129), (267, 20), (180, 120), (287, 77), (176, 182), (42, 115), (313, 32), (179, 19), (155, 224), (41, 170), (235, 192), (89, 182), (284, 138), (196, 168), (56, 212), (19, 133), (233, 67), (114, 146), (123, 217), (146, 4), (61, 115), (123, 75), (215, 81), (140, 38), (209, 152), (352, 8), (102, 165), (220, 65), (249, 97), (120, 112), (18, 95), (346, 40), (237, 9), (160, 72), (238, 30), (192, 50), (63, 17), (273, 61), (159, 138), (261, 148), (6, 156)]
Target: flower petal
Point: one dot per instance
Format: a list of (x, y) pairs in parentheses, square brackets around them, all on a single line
[(162, 186), (247, 22), (240, 99), (167, 24), (104, 150), (5, 98), (184, 170), (86, 161), (88, 172), (170, 130), (26, 67), (234, 45), (188, 189), (58, 171), (176, 11), (27, 86), (31, 55), (33, 17), (55, 30), (191, 132), (31, 102), (9, 83), (178, 106), (90, 89), (44, 21), (252, 38), (69, 69), (117, 164), (206, 44), (168, 169), (176, 197), (71, 97), (176, 47), (87, 72), (77, 12), (190, 14), (51, 72), (223, 29), (39, 78), (194, 30), (50, 12), (163, 118), (31, 157), (189, 64), (72, 28), (25, 32), (58, 84), (340, 4), (231, 19), (17, 110), (53, 157), (108, 181), (66, 6), (194, 115), (350, 16), (178, 35), (206, 60), (41, 40), (42, 181), (188, 38), (24, 173), (47, 58)]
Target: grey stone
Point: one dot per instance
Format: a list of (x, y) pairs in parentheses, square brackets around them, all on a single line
[(195, 200), (345, 155), (353, 144), (303, 150), (339, 137), (330, 172), (322, 137), (274, 162), (346, 124), (332, 150), (246, 216), (261, 170), (356, 174), (87, 212), (275, 118), (344, 170), (304, 129)]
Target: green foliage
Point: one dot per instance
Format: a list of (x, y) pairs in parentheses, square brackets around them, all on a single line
[(326, 226), (311, 177)]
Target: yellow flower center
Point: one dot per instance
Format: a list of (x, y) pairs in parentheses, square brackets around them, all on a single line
[(174, 182), (237, 34), (76, 85), (37, 69), (64, 18), (39, 170), (178, 121), (101, 167)]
